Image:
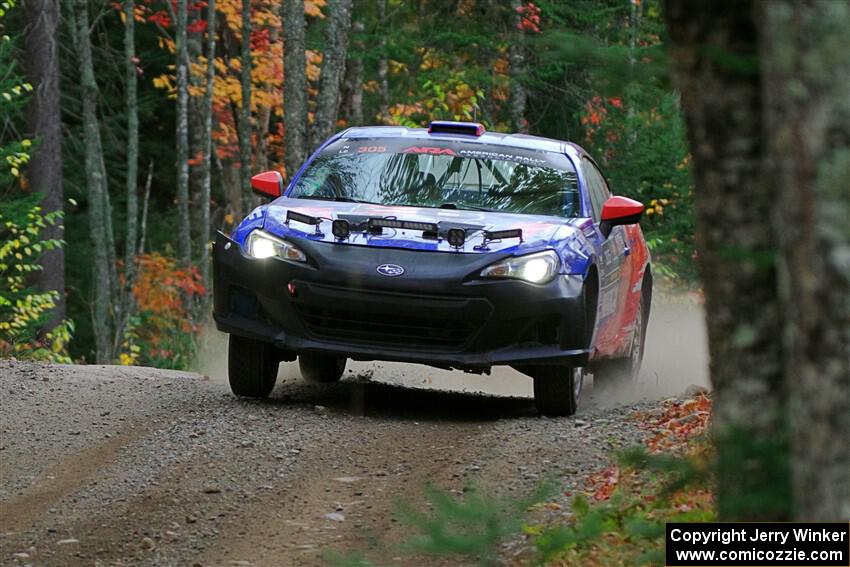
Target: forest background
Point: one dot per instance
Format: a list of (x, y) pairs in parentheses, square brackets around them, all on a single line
[(152, 116)]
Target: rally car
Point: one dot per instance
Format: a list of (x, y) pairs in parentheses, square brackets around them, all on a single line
[(448, 246)]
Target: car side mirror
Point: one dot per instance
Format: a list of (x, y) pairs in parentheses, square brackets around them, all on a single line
[(618, 211), (268, 184)]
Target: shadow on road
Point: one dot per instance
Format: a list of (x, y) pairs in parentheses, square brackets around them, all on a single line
[(373, 399), (676, 357)]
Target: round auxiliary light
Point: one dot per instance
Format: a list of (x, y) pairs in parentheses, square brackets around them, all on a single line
[(456, 237), (340, 228)]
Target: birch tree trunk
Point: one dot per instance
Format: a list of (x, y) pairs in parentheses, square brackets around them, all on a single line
[(244, 125), (714, 52), (206, 179), (143, 222), (333, 69), (131, 241), (184, 242), (45, 125), (806, 73), (96, 183), (115, 305), (294, 85)]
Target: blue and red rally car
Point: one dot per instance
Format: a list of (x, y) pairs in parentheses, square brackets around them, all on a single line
[(448, 246)]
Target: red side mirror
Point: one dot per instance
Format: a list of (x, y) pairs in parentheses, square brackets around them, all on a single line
[(268, 184), (619, 210)]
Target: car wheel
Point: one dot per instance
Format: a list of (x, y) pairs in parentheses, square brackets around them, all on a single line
[(321, 367), (252, 367), (623, 372), (557, 389)]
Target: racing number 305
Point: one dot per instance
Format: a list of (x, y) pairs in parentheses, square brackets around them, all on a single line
[(371, 149)]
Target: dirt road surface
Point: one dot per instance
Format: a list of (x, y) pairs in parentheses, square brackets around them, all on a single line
[(105, 465)]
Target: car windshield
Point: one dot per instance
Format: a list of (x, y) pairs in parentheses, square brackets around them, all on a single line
[(444, 174)]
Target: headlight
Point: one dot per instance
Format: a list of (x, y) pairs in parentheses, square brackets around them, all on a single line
[(535, 268), (260, 244)]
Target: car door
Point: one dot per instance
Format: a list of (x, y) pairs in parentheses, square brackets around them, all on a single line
[(611, 255)]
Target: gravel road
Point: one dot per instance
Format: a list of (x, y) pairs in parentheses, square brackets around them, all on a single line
[(103, 465)]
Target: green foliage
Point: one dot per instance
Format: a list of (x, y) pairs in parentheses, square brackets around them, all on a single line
[(14, 92), (627, 527), (472, 527), (24, 310), (676, 472), (147, 344)]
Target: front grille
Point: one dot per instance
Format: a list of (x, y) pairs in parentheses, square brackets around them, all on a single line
[(446, 330)]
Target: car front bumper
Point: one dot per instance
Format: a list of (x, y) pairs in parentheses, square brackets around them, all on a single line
[(438, 312)]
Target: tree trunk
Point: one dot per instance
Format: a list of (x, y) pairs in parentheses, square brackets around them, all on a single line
[(45, 126), (264, 116), (184, 242), (294, 85), (333, 68), (807, 131), (244, 125), (197, 81), (383, 66), (714, 53), (206, 180), (143, 223), (114, 281), (232, 190), (352, 98), (131, 241), (97, 188), (516, 56)]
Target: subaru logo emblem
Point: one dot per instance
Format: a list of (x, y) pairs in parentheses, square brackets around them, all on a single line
[(390, 270)]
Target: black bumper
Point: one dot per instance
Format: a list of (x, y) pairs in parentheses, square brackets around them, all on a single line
[(437, 313)]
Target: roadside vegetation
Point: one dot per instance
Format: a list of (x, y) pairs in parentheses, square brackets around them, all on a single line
[(618, 519)]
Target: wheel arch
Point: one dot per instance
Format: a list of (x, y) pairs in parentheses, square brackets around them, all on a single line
[(591, 302)]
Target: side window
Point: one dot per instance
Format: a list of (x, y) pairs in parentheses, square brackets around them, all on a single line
[(603, 184), (595, 188)]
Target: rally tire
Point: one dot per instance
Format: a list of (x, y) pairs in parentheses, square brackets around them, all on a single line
[(321, 367), (557, 389), (252, 367), (622, 373)]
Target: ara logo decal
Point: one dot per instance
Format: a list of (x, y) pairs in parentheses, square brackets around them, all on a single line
[(390, 270), (429, 150)]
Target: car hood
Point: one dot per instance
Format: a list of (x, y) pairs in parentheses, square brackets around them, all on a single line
[(537, 231)]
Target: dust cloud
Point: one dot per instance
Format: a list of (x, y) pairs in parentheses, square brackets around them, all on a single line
[(676, 357), (212, 354)]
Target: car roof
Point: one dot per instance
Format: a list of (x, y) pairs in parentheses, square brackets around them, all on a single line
[(524, 141)]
